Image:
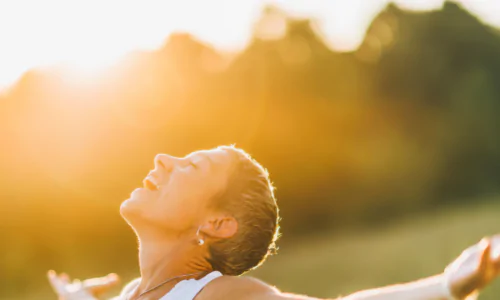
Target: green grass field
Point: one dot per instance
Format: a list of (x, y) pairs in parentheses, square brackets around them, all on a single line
[(329, 266)]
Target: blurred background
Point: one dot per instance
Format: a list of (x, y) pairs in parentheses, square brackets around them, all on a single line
[(378, 121)]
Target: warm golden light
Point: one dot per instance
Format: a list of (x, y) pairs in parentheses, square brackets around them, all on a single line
[(93, 34), (368, 115)]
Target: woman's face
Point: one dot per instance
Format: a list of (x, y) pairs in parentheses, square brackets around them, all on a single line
[(176, 195)]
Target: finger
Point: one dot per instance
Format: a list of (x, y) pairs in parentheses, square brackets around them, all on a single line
[(495, 237), (76, 284), (485, 259), (495, 257), (64, 278), (102, 284), (106, 280), (56, 283), (101, 280), (495, 247)]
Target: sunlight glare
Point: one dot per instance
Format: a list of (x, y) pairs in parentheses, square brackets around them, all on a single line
[(93, 34)]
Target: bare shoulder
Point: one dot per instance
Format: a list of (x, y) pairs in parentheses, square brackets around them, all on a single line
[(232, 287)]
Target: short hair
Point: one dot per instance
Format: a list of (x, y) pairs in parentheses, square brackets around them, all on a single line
[(249, 197)]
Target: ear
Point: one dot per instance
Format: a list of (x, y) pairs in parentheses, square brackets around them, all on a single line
[(220, 226)]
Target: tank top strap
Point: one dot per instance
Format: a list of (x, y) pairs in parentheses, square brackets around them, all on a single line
[(188, 289)]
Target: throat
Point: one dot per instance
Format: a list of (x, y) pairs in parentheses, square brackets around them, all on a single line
[(164, 263)]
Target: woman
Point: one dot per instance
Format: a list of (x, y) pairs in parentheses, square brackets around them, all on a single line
[(207, 218)]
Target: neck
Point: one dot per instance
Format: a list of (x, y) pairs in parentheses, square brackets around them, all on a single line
[(163, 257)]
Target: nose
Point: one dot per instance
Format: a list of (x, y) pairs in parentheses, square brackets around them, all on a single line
[(165, 161)]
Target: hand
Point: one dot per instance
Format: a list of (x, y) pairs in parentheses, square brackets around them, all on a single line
[(76, 290), (475, 268)]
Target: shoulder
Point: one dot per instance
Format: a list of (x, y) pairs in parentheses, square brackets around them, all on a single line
[(232, 287)]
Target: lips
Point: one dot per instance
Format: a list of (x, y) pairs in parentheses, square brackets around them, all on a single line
[(150, 184)]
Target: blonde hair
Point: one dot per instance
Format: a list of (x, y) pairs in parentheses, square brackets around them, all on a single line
[(249, 197)]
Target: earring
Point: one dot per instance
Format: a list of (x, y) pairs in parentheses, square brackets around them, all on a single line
[(200, 239)]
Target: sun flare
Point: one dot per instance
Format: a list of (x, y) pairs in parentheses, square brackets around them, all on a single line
[(91, 35)]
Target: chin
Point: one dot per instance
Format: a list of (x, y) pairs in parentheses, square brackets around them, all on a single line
[(126, 209), (136, 207), (131, 206), (138, 217), (125, 206), (131, 212)]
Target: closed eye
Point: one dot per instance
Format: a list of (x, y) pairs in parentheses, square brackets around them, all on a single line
[(193, 164)]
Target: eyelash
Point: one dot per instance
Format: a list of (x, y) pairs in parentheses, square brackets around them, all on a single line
[(193, 165)]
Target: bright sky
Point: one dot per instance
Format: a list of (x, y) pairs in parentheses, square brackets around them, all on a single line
[(94, 33)]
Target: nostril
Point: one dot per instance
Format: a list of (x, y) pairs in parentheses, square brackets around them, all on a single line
[(159, 161)]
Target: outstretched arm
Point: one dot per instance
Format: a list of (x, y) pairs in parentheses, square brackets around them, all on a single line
[(462, 279), (432, 288), (80, 290), (426, 289), (475, 268)]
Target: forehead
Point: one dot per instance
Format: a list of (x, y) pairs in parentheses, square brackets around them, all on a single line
[(216, 176), (216, 156)]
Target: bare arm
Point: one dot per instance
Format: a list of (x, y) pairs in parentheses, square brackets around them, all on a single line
[(463, 278), (432, 288), (427, 289), (88, 289)]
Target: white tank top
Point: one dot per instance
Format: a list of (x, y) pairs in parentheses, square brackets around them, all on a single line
[(183, 290), (188, 289)]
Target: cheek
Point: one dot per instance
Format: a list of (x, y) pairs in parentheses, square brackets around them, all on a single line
[(185, 210), (173, 210)]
